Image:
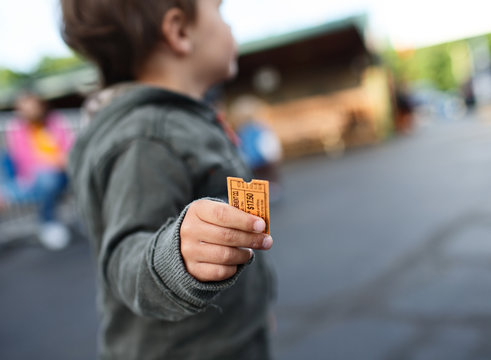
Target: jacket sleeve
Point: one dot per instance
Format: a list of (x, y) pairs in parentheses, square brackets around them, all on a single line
[(144, 202)]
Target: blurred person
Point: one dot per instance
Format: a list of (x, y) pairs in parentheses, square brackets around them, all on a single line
[(37, 145), (259, 145), (467, 91), (176, 276), (404, 110)]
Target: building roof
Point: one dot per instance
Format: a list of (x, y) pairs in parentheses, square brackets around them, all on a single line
[(358, 21), (76, 81)]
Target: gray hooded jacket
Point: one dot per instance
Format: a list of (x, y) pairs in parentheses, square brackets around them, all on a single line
[(135, 168)]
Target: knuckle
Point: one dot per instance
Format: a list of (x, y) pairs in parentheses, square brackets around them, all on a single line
[(191, 269), (256, 241), (185, 228), (220, 272), (186, 248), (224, 272), (220, 213), (229, 235), (196, 207), (202, 273), (226, 255), (193, 207)]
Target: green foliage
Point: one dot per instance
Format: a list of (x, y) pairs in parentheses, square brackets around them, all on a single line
[(50, 65), (46, 66), (10, 78), (437, 64)]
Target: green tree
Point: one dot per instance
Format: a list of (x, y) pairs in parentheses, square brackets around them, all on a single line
[(433, 64), (49, 65), (10, 78)]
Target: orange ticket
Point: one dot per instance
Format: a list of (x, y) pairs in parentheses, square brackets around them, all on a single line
[(252, 197)]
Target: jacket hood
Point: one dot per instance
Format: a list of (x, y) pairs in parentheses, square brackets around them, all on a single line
[(108, 106)]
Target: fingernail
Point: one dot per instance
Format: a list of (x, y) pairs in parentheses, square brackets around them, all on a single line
[(267, 242), (259, 226), (251, 254)]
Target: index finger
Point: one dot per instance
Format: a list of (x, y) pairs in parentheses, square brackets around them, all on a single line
[(227, 216)]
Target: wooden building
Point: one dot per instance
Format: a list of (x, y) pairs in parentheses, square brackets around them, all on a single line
[(320, 89)]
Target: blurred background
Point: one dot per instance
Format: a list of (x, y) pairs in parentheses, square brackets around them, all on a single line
[(376, 118)]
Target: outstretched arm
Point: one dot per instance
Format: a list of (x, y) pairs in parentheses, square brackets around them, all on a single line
[(158, 259)]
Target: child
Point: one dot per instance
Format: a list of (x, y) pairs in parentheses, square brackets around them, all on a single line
[(175, 272), (37, 142), (259, 145)]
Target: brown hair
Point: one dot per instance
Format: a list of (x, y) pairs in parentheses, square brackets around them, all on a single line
[(117, 35)]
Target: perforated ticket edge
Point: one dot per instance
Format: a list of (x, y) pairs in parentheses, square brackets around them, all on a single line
[(230, 188)]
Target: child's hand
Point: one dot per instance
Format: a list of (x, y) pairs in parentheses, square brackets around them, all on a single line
[(216, 237)]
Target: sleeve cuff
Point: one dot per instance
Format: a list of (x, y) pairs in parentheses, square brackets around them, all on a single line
[(169, 265)]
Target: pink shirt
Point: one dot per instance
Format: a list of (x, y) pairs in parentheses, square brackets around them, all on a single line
[(24, 151)]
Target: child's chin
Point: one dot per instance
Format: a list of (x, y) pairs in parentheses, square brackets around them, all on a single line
[(226, 74)]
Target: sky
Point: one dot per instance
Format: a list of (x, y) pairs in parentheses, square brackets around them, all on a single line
[(27, 36)]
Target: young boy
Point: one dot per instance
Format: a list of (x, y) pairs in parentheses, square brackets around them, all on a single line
[(175, 272)]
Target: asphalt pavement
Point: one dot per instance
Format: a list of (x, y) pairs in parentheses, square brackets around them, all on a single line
[(383, 253)]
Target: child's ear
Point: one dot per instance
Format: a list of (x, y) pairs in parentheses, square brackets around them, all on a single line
[(175, 30)]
